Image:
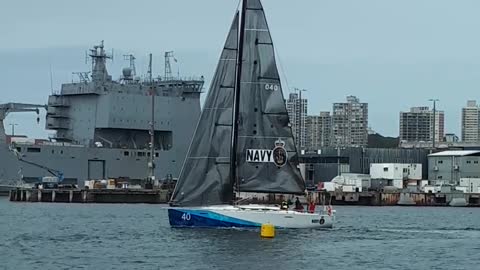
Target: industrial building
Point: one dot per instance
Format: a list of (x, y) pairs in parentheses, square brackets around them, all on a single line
[(328, 162), (448, 167), (317, 168)]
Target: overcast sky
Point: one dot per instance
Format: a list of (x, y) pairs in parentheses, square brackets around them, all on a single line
[(391, 54)]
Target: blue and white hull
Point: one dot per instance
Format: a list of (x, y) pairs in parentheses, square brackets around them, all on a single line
[(250, 216)]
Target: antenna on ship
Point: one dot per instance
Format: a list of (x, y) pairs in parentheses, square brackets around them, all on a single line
[(131, 59), (168, 66), (151, 164), (99, 59), (129, 73), (51, 79)]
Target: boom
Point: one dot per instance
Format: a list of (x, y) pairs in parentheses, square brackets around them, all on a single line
[(53, 172)]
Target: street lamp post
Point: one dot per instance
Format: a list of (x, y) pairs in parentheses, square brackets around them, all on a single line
[(13, 129), (434, 100)]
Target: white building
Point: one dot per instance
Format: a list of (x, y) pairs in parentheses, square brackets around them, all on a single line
[(352, 182), (396, 173), (470, 185)]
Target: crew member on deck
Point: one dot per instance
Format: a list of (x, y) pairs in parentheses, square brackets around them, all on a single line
[(284, 205), (298, 205), (311, 206)]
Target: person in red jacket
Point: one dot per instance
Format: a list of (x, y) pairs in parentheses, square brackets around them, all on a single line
[(311, 206)]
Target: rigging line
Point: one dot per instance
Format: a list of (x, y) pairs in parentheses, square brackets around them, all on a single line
[(283, 74), (238, 5)]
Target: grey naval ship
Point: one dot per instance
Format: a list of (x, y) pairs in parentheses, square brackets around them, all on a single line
[(103, 128)]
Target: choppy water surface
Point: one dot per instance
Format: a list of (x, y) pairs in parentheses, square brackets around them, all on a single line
[(100, 236)]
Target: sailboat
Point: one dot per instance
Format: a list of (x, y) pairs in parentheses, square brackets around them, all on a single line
[(243, 141)]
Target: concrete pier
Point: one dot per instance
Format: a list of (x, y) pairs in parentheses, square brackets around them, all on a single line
[(159, 196), (375, 198), (156, 196)]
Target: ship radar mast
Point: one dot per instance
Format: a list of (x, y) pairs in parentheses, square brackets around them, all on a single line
[(99, 59), (168, 67), (129, 72)]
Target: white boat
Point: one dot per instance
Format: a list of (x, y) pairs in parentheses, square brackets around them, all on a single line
[(243, 141), (458, 202), (247, 216)]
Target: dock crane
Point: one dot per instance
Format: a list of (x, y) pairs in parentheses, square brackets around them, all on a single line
[(11, 107), (7, 108)]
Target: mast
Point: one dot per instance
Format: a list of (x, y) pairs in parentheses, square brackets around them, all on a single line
[(99, 59), (236, 100), (151, 164), (168, 67)]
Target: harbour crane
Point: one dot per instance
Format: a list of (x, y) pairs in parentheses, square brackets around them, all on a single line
[(7, 108), (11, 107)]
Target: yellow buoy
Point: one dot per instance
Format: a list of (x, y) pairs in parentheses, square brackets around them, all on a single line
[(267, 230)]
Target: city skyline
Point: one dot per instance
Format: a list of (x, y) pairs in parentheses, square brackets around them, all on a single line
[(347, 126), (393, 55)]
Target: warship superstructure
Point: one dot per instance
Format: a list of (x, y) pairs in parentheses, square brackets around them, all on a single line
[(103, 127)]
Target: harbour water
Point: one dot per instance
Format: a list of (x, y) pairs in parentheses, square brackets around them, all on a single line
[(137, 236)]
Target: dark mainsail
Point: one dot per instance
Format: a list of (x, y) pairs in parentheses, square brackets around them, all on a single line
[(265, 157), (205, 176), (263, 119)]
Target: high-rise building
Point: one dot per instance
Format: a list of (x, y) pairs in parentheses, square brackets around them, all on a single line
[(417, 125), (350, 123), (470, 122), (297, 112), (318, 130)]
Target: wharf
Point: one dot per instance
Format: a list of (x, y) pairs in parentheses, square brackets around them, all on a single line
[(377, 198), (404, 198), (160, 196), (152, 196)]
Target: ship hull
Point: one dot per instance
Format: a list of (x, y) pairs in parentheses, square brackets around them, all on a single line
[(246, 217), (5, 190), (80, 163)]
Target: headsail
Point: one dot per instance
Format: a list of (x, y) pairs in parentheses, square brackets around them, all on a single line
[(205, 176), (266, 153)]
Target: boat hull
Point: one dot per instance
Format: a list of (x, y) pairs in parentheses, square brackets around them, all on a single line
[(245, 217)]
